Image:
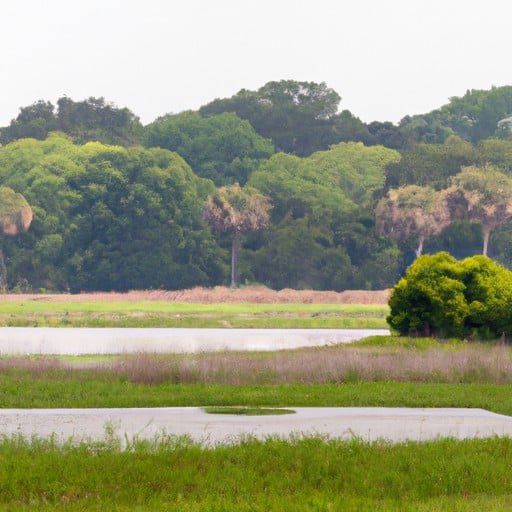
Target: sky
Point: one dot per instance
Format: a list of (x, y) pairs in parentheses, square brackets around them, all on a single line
[(385, 58)]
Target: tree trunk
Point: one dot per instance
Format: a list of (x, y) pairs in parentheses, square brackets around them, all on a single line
[(486, 233), (3, 273), (235, 243), (419, 249)]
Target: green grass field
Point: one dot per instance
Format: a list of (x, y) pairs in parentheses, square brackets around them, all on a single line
[(170, 314), (304, 474), (313, 474)]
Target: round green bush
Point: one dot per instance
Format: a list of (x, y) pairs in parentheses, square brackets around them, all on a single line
[(441, 296)]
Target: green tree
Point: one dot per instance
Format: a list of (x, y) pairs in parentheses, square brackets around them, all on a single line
[(299, 117), (487, 194), (35, 121), (326, 195), (236, 210), (93, 119), (430, 164), (223, 147), (109, 218), (441, 296)]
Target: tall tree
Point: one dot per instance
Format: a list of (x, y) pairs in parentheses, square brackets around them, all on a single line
[(235, 210), (487, 193), (299, 117), (430, 164), (413, 211), (15, 218), (35, 121), (223, 147)]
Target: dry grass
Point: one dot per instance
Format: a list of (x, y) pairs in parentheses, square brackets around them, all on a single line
[(217, 295), (472, 363)]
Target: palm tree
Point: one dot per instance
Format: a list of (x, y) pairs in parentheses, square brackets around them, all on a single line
[(236, 210)]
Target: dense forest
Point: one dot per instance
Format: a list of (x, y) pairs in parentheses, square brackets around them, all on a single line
[(295, 191)]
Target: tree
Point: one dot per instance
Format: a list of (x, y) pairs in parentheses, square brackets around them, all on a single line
[(35, 121), (430, 164), (15, 218), (441, 296), (413, 211), (223, 147), (487, 193), (299, 117), (235, 210), (92, 119), (109, 218)]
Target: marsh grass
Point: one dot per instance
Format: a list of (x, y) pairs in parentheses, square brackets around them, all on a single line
[(436, 375), (306, 474), (433, 363), (310, 474), (379, 359)]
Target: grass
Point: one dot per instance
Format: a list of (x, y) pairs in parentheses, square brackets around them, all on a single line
[(362, 374), (248, 411), (168, 314), (307, 474)]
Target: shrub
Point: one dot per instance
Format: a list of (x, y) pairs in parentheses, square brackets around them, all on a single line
[(440, 296)]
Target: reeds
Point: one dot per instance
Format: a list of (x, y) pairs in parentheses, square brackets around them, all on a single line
[(472, 363)]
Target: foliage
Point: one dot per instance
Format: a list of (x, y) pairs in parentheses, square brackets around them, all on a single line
[(320, 226), (299, 117), (15, 212), (98, 206), (430, 164), (413, 211), (442, 296), (476, 116), (15, 217), (316, 473), (236, 210), (90, 119), (487, 193), (223, 147), (107, 217)]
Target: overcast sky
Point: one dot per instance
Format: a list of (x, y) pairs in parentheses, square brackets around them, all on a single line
[(386, 58)]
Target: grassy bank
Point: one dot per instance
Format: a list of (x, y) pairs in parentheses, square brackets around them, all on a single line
[(311, 474), (306, 474), (170, 314), (419, 373)]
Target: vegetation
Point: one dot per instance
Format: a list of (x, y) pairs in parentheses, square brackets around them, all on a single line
[(311, 474), (381, 372), (170, 314), (118, 205), (413, 211), (442, 296), (317, 473), (15, 218), (236, 210)]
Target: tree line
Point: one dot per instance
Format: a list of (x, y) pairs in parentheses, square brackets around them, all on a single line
[(330, 202)]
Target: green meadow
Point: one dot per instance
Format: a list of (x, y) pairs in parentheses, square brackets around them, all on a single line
[(169, 314), (310, 474)]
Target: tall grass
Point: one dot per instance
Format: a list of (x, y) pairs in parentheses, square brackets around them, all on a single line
[(343, 363), (310, 474), (433, 363), (454, 375)]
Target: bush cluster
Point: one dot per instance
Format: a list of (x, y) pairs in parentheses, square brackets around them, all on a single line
[(441, 296)]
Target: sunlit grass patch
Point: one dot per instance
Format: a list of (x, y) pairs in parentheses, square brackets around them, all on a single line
[(185, 315)]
